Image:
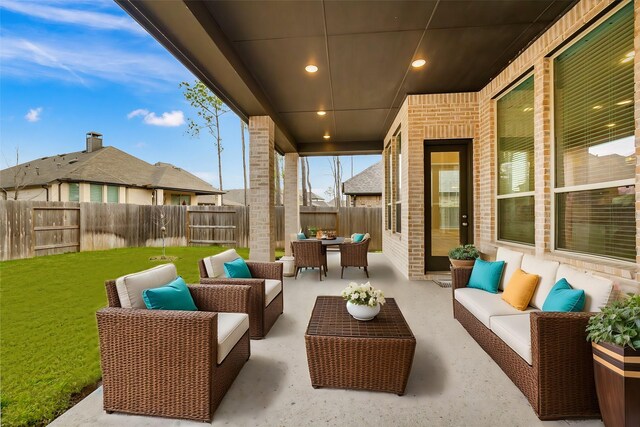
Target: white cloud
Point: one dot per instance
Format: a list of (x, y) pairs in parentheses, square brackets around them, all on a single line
[(140, 145), (138, 112), (81, 60), (167, 119), (33, 115), (99, 20)]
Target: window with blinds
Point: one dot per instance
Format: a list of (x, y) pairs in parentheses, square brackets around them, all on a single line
[(515, 133), (74, 192), (112, 194), (594, 141), (95, 193)]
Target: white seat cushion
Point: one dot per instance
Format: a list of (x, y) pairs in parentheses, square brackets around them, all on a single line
[(130, 287), (231, 327), (515, 331), (271, 290), (512, 261), (547, 271), (483, 304), (215, 264), (597, 290)]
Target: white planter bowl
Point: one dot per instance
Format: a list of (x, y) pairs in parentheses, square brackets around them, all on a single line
[(362, 312)]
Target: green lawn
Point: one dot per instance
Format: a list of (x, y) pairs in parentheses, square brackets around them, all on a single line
[(48, 335)]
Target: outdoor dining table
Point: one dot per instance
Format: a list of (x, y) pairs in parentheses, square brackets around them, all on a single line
[(330, 242)]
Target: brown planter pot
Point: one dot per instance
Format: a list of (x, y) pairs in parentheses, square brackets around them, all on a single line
[(617, 375), (462, 262)]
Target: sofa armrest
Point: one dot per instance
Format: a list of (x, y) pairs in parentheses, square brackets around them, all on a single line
[(266, 270), (460, 277), (561, 356), (221, 298)]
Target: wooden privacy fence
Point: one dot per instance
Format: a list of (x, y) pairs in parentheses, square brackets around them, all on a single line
[(29, 228)]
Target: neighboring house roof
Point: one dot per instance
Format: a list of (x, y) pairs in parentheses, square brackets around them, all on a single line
[(369, 181), (106, 165), (235, 197)]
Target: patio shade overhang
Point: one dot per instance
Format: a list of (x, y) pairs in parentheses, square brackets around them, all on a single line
[(253, 54)]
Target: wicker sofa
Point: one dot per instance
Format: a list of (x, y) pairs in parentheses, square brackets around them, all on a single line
[(545, 354)]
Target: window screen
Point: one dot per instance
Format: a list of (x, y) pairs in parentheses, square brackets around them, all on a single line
[(112, 194), (96, 193), (74, 192)]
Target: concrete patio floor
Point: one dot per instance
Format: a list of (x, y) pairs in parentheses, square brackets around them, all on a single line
[(453, 381)]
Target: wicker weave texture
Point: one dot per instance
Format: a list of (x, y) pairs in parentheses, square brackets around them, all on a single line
[(163, 363), (354, 255), (261, 318), (345, 353), (310, 253)]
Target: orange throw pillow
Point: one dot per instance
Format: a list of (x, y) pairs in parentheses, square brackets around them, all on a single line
[(520, 289)]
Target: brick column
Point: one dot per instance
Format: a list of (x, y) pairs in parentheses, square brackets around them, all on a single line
[(542, 154), (291, 199), (262, 215)]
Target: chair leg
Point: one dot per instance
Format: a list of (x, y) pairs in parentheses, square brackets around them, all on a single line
[(365, 270), (342, 273), (296, 276), (320, 271)]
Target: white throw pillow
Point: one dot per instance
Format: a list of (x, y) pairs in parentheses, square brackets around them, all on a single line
[(547, 271), (512, 261), (130, 287), (597, 290), (215, 264)]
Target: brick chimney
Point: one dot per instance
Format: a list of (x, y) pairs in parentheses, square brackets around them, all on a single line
[(94, 141)]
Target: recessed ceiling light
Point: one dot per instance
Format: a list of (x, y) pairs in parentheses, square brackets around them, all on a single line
[(624, 102), (597, 107), (327, 136), (610, 125), (418, 63), (321, 113), (311, 68)]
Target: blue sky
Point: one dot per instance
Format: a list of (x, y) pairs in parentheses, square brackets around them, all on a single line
[(69, 67)]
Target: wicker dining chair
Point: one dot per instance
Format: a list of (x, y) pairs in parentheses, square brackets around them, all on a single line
[(166, 363), (309, 254), (354, 255), (266, 302)]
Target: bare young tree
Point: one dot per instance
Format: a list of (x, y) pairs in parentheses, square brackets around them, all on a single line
[(209, 110), (309, 193), (18, 177), (336, 172), (303, 172), (161, 220)]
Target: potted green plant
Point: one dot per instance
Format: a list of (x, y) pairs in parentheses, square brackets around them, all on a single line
[(313, 230), (463, 256), (615, 339)]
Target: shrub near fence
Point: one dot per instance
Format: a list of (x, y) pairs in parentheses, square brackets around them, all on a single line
[(30, 228)]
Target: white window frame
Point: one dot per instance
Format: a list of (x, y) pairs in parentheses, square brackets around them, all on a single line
[(583, 187), (497, 197)]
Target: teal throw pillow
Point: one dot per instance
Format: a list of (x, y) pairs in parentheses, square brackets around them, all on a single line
[(562, 297), (237, 269), (172, 296), (357, 238), (301, 236), (486, 275)]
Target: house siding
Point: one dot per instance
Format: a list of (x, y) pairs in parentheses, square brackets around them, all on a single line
[(472, 115)]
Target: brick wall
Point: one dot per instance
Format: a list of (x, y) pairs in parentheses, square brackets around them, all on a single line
[(472, 115)]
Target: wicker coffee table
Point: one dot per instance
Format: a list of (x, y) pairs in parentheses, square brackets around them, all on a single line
[(346, 353)]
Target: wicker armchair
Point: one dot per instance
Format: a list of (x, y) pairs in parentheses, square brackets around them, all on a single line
[(309, 254), (262, 316), (165, 363), (354, 255)]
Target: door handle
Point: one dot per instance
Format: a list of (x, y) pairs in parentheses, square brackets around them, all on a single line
[(464, 224)]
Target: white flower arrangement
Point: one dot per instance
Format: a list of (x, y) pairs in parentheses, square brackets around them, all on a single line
[(363, 294)]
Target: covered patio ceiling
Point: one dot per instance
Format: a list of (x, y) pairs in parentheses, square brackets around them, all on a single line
[(253, 55)]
